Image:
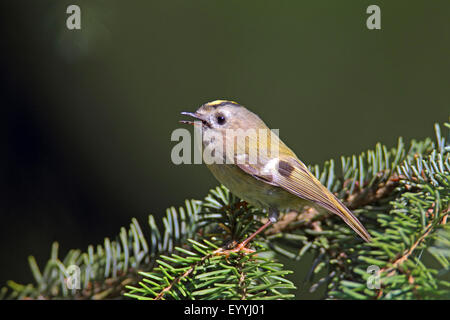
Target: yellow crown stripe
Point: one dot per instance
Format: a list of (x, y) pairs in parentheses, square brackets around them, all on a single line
[(217, 102)]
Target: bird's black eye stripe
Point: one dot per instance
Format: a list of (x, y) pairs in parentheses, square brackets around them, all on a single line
[(220, 119)]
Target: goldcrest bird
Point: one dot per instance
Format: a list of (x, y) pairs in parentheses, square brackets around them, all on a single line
[(276, 180)]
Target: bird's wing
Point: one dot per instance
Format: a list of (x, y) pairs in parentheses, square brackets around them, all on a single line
[(291, 174)]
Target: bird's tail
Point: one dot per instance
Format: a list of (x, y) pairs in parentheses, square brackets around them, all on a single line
[(308, 187), (337, 207)]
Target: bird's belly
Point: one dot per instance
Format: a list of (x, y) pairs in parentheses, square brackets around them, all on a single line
[(252, 190)]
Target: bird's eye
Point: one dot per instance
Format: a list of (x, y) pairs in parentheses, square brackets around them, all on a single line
[(221, 119)]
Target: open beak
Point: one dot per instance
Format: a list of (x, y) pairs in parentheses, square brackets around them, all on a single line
[(194, 115)]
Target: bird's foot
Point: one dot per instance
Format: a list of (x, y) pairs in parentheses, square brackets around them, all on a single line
[(241, 247)]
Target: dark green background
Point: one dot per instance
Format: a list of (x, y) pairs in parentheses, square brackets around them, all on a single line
[(88, 114)]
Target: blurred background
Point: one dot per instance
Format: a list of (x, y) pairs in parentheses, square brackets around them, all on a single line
[(86, 115)]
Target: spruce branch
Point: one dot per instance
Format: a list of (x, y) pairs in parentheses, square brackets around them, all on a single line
[(401, 194), (201, 274)]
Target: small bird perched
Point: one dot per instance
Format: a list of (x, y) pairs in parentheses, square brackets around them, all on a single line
[(275, 179)]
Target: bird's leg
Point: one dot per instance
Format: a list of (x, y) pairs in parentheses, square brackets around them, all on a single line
[(273, 216)]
